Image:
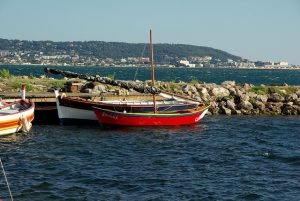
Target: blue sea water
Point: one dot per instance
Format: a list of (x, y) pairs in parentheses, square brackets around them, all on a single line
[(253, 76), (222, 158)]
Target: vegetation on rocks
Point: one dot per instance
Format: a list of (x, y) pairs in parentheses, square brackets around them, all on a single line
[(13, 83)]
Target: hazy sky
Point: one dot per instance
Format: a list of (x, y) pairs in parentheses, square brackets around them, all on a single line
[(267, 30)]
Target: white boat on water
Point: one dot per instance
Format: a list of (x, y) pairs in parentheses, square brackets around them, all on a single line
[(16, 116)]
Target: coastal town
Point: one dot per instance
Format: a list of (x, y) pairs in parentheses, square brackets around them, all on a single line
[(119, 54), (59, 59)]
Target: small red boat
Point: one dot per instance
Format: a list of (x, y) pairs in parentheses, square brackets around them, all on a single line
[(110, 117)]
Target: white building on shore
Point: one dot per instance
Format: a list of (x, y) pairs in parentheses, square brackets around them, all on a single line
[(187, 63)]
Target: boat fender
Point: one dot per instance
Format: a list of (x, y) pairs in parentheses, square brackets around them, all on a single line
[(63, 95), (26, 125)]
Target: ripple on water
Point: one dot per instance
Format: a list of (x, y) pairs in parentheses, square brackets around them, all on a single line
[(224, 158)]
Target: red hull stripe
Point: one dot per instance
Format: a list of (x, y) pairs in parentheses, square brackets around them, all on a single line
[(14, 122), (149, 119)]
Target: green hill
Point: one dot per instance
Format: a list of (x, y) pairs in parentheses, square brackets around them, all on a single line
[(114, 50)]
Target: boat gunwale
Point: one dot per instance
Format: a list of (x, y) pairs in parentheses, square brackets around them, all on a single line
[(32, 105), (123, 105), (176, 114)]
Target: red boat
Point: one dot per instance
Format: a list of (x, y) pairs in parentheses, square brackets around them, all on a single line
[(157, 118), (110, 117)]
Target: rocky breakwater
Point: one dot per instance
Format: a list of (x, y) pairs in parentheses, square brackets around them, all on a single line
[(236, 99), (227, 98)]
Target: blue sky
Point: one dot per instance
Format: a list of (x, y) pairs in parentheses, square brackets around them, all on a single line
[(267, 30)]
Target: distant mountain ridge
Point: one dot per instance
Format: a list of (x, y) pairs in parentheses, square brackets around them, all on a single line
[(115, 50)]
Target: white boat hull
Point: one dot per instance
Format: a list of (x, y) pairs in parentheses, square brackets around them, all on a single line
[(69, 115), (12, 122)]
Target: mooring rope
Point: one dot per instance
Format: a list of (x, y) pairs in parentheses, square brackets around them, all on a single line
[(11, 196)]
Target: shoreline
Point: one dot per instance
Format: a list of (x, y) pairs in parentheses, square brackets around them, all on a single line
[(161, 66)]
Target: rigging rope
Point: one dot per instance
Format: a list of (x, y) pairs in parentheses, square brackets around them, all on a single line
[(136, 72)]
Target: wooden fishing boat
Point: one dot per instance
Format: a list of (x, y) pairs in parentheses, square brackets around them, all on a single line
[(77, 110), (109, 117), (16, 116), (155, 118)]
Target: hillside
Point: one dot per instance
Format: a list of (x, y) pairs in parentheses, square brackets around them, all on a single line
[(114, 50)]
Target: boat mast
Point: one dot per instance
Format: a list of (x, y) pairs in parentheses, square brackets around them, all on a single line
[(152, 66)]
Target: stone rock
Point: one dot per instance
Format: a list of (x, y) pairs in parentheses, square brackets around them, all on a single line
[(259, 105), (232, 91), (214, 109), (291, 97), (236, 112), (262, 98), (290, 110), (275, 97), (298, 93), (241, 90), (244, 97), (256, 111), (252, 95), (246, 112), (198, 86), (230, 104), (245, 105), (274, 108), (230, 83), (226, 111), (247, 86), (188, 88), (165, 86), (193, 89), (297, 102), (219, 92), (210, 86), (185, 88), (203, 91), (100, 88), (194, 95)]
